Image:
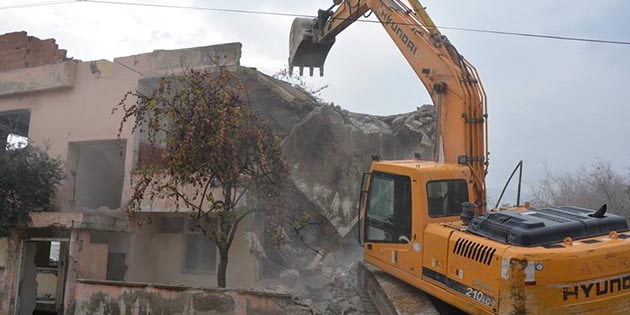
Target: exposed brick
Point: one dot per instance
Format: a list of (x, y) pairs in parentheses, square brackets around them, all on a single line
[(61, 53), (41, 55), (12, 46), (21, 53), (12, 59), (18, 50), (48, 44), (14, 36)]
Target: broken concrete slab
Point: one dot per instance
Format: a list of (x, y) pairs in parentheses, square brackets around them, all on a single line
[(79, 220), (329, 149), (37, 79), (166, 62)]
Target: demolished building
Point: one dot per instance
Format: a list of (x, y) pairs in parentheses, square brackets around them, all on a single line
[(88, 257)]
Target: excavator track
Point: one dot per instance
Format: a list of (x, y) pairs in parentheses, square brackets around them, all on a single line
[(366, 301), (385, 295)]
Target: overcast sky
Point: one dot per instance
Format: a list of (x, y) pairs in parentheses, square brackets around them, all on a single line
[(556, 102)]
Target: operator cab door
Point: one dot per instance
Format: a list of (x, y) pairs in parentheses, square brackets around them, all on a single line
[(388, 217)]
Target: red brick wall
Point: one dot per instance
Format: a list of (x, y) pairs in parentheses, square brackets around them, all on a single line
[(18, 50)]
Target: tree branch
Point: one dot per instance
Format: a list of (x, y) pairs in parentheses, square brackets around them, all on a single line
[(203, 197), (214, 207), (236, 223), (181, 196), (242, 193), (297, 230)]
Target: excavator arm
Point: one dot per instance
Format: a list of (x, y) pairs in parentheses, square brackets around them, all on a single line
[(452, 82)]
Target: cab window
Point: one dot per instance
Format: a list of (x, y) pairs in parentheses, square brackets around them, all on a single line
[(446, 197), (388, 215)]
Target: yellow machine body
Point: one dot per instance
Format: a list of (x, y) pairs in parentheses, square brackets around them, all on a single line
[(479, 275), (410, 218)]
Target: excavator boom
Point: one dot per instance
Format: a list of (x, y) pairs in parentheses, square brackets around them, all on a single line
[(451, 81)]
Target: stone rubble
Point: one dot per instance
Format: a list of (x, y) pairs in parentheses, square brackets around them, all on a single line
[(327, 149)]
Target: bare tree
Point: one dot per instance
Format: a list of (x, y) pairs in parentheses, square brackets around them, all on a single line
[(590, 187), (207, 150)]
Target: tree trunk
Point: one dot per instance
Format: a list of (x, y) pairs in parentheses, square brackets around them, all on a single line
[(222, 273), (3, 140)]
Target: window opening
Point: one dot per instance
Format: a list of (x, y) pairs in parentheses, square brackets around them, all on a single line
[(98, 173), (446, 197), (53, 257), (14, 129), (388, 216), (200, 256)]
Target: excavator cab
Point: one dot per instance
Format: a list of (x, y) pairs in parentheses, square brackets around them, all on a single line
[(305, 50)]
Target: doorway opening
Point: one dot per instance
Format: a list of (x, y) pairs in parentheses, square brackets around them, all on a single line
[(42, 278)]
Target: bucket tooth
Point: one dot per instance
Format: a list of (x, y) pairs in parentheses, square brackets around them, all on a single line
[(290, 68), (305, 49)]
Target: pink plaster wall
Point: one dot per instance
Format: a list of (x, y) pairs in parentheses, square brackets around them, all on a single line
[(63, 112), (79, 113), (8, 273), (104, 297), (93, 262), (159, 257), (74, 103)]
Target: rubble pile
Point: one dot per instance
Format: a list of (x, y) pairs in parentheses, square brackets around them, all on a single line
[(326, 149), (339, 295), (330, 148), (328, 291)]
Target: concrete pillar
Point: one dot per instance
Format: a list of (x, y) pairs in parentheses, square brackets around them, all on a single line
[(28, 281), (9, 274), (78, 240)]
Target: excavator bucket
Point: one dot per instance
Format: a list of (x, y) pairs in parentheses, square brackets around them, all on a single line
[(305, 50)]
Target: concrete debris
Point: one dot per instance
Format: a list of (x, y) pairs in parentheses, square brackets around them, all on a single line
[(328, 148), (290, 277), (333, 292), (254, 245), (327, 291)]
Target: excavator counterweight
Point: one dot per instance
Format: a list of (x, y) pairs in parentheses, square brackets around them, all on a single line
[(305, 51)]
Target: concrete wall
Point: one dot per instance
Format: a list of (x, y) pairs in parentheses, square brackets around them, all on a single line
[(46, 284), (8, 272), (166, 62), (159, 258), (28, 282), (150, 255), (81, 113), (72, 101), (112, 298), (47, 77)]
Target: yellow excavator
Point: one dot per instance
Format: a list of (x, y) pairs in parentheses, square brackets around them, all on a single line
[(427, 223)]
